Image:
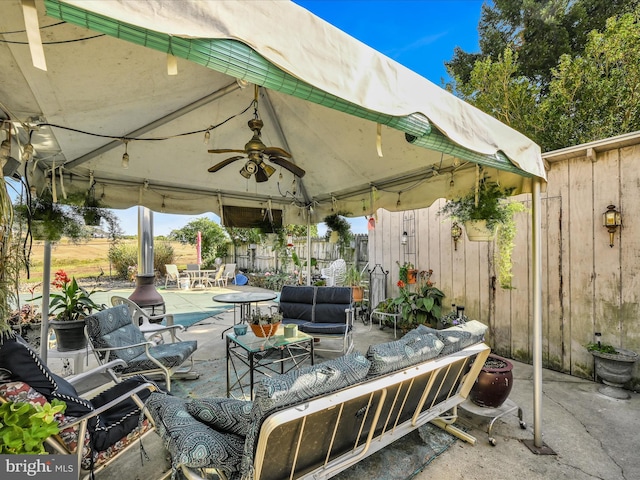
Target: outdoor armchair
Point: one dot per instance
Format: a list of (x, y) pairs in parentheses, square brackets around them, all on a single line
[(173, 275), (113, 335), (97, 429), (335, 273), (149, 325)]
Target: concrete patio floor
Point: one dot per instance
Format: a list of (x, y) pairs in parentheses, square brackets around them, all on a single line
[(593, 436)]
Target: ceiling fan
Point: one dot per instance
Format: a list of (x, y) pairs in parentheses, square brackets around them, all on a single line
[(255, 152)]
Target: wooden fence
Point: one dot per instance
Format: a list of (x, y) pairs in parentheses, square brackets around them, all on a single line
[(588, 286)]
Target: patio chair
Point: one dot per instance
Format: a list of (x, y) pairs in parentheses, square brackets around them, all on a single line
[(229, 273), (335, 273), (150, 325), (173, 275), (113, 335), (219, 280), (97, 429)]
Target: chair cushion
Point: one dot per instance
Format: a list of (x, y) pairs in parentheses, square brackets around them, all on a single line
[(191, 442), (22, 364), (331, 303), (112, 327), (226, 414), (409, 350), (169, 354), (324, 328), (296, 303), (455, 338)]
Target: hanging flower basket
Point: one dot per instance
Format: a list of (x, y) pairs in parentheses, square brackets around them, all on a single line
[(477, 231)]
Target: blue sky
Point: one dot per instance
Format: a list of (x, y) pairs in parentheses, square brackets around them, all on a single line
[(420, 34)]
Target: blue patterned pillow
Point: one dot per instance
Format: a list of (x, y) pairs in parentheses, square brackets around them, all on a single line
[(191, 442), (455, 338), (409, 350), (226, 414)]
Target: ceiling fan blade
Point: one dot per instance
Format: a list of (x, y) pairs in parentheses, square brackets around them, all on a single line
[(284, 163), (224, 163), (225, 150), (275, 151)]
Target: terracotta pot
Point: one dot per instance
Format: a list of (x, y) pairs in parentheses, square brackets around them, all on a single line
[(69, 334), (357, 293), (265, 330), (494, 383), (412, 275)]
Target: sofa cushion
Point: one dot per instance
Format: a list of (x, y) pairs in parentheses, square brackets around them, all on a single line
[(191, 442), (315, 328), (225, 414), (296, 303), (455, 338), (409, 350), (331, 303)]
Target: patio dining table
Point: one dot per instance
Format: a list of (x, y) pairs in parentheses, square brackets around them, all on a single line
[(201, 277), (244, 301)]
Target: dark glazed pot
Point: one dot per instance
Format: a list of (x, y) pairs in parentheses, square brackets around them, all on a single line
[(69, 334), (494, 383)]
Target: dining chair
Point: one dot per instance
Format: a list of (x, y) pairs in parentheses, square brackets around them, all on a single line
[(173, 275), (219, 280)]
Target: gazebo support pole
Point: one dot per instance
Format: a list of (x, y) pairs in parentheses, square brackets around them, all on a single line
[(537, 446)]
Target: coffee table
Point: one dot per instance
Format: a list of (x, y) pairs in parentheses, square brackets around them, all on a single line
[(248, 355), (244, 300)]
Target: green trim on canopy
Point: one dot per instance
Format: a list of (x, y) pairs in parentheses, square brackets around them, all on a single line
[(240, 61), (435, 140)]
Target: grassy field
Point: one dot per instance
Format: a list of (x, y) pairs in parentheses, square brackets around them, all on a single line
[(85, 259)]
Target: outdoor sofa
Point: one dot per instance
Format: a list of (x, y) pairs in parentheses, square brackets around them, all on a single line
[(322, 312), (317, 421)]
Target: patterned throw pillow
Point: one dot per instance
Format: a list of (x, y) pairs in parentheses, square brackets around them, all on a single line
[(455, 338), (409, 350), (191, 442), (225, 414)]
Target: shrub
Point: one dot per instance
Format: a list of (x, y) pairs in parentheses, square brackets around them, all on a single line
[(123, 256), (162, 255)]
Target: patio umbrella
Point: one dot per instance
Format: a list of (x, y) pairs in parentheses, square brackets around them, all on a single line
[(344, 128)]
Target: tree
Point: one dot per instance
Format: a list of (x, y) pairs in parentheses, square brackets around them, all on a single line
[(214, 239), (540, 31)]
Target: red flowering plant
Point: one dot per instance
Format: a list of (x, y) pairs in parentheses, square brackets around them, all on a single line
[(73, 302), (420, 307)]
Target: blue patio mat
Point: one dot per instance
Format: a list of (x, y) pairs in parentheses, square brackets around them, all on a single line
[(191, 318)]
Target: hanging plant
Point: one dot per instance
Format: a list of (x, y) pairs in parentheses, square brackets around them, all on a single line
[(337, 223)]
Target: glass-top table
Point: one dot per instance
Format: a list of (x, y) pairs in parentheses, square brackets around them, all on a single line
[(248, 355), (244, 300)]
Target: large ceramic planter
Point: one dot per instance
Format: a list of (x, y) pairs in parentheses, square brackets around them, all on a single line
[(357, 293), (493, 385), (69, 334), (614, 369), (477, 231)]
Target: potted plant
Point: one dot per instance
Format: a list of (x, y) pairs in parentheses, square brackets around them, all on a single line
[(407, 273), (485, 211), (24, 427), (70, 307), (353, 278), (614, 366), (421, 307), (338, 226), (264, 324)]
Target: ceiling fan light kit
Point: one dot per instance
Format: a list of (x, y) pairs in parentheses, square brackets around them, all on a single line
[(256, 151)]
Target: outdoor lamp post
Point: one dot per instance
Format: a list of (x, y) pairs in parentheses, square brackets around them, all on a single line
[(611, 220)]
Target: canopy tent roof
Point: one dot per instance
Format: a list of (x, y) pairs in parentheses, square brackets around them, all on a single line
[(368, 132)]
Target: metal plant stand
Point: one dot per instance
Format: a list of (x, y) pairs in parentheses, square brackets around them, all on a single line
[(494, 414)]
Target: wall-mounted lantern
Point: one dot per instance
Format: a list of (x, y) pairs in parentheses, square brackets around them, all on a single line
[(611, 220), (456, 233), (404, 238)]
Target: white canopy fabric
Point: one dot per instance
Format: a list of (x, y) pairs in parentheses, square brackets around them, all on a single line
[(368, 132)]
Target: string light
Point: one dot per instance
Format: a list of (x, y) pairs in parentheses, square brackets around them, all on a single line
[(207, 136), (27, 152), (125, 157)]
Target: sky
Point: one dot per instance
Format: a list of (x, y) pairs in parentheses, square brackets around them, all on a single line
[(420, 34)]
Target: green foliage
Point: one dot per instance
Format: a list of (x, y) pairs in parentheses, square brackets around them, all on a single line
[(122, 256), (9, 274), (420, 307), (540, 31), (403, 272), (214, 239), (488, 203), (51, 221), (337, 223), (353, 277), (162, 255), (601, 347), (506, 235), (24, 427)]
